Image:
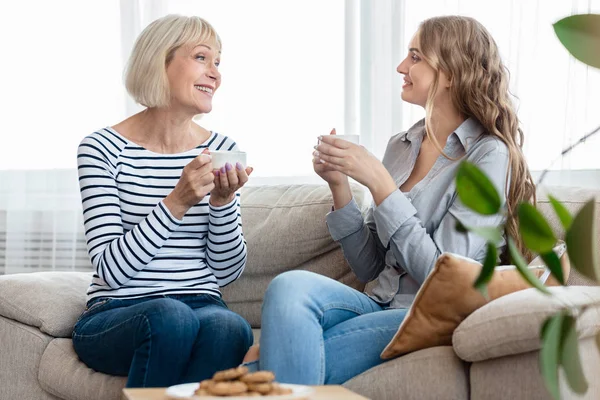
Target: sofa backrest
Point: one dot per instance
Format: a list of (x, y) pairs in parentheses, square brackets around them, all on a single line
[(285, 229), (573, 199)]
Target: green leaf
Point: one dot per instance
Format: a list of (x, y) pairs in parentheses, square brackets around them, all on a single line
[(582, 243), (550, 353), (476, 191), (535, 230), (553, 263), (569, 356), (521, 265), (487, 271), (580, 34), (545, 327), (563, 214)]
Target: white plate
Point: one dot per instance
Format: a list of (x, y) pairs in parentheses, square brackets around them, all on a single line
[(187, 390)]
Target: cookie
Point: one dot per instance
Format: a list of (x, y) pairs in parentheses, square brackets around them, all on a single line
[(262, 388), (250, 394), (226, 388), (202, 389), (201, 392), (258, 377), (230, 374), (278, 390), (206, 383)]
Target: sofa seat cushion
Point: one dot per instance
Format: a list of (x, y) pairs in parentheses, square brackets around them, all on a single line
[(51, 301), (511, 324), (62, 374), (434, 373), (518, 377)]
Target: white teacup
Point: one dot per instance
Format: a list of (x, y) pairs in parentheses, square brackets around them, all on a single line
[(349, 138), (221, 157)]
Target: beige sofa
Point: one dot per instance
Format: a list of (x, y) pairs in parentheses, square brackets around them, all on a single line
[(494, 353)]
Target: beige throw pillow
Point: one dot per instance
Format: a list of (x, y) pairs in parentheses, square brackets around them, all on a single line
[(447, 297)]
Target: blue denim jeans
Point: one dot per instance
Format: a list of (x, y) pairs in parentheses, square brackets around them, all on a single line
[(161, 341), (316, 330)]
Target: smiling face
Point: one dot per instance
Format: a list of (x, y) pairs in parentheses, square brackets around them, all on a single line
[(419, 76), (193, 74)]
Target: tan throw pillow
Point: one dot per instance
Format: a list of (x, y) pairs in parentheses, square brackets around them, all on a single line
[(447, 297)]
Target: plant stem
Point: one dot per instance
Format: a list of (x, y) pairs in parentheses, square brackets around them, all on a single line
[(565, 152)]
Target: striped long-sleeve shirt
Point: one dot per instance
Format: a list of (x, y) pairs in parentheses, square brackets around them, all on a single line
[(137, 247)]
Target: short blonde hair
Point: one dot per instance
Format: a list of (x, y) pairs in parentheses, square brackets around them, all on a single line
[(146, 75)]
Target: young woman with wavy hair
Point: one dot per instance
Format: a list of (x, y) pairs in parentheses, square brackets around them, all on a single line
[(452, 45), (316, 330)]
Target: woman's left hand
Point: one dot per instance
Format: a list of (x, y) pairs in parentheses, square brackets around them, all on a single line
[(356, 162), (351, 159), (228, 180)]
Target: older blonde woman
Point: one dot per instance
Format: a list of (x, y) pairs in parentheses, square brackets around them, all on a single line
[(163, 229)]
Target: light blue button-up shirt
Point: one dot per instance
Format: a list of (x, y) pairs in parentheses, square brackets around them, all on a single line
[(399, 241)]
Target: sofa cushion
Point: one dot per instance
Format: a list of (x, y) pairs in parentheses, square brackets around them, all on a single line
[(434, 373), (51, 301), (512, 324), (573, 199), (447, 297), (284, 226), (21, 349), (518, 376), (61, 373)]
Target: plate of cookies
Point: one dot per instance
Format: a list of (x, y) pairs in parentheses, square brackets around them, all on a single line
[(239, 384)]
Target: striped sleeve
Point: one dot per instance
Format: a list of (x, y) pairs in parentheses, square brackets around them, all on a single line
[(116, 256), (226, 249)]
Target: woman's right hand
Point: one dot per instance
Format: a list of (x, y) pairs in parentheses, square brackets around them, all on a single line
[(197, 180), (332, 177)]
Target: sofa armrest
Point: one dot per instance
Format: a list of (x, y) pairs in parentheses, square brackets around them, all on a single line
[(50, 301), (512, 324)]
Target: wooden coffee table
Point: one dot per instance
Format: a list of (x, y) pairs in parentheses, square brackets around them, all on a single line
[(328, 392)]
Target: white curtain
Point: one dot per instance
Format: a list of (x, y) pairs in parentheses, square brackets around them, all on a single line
[(41, 225), (62, 78), (558, 96), (282, 67)]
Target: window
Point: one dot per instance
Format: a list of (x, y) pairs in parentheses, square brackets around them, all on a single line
[(60, 78), (558, 96), (282, 66)]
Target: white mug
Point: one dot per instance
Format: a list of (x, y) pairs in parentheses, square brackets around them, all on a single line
[(350, 138), (221, 157)]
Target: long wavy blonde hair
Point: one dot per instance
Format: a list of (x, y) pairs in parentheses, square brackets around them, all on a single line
[(466, 52)]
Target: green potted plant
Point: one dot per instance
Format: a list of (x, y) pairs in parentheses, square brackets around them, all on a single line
[(580, 35)]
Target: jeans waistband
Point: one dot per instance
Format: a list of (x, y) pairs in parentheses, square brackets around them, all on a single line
[(181, 297)]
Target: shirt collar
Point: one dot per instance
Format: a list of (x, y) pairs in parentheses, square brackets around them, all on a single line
[(415, 131), (467, 132)]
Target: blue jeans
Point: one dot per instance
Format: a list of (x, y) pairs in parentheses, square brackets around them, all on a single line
[(161, 341), (316, 330)]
